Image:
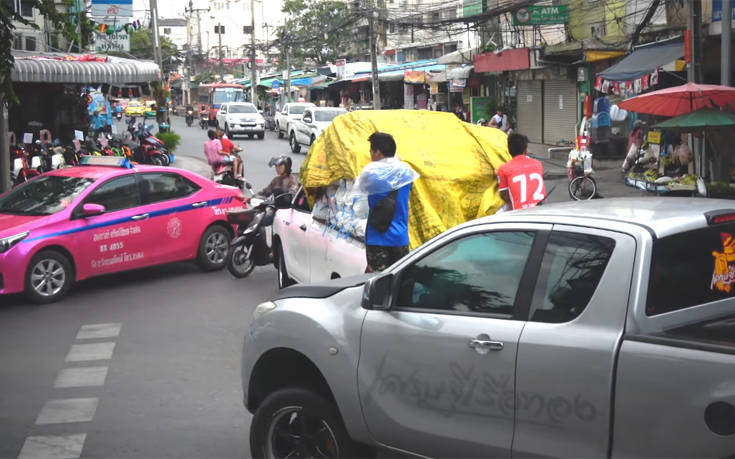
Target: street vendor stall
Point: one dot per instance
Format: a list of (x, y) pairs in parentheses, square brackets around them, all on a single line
[(457, 163), (665, 165)]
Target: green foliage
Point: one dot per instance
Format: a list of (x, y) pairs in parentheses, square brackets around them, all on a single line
[(315, 30), (141, 46), (170, 139)]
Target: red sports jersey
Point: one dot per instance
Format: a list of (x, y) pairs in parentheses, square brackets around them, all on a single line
[(523, 177)]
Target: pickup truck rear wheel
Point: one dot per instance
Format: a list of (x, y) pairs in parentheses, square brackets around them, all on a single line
[(295, 147), (296, 422)]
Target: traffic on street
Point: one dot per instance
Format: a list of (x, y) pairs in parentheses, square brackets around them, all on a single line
[(330, 229)]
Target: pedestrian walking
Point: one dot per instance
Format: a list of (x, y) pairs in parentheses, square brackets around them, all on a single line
[(387, 182), (521, 180)]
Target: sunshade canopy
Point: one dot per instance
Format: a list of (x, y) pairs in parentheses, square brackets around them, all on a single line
[(681, 99), (643, 61), (69, 68), (701, 119)]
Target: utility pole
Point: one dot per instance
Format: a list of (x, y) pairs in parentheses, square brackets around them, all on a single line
[(4, 146), (288, 68), (218, 31), (373, 54), (253, 66), (694, 24), (187, 67), (726, 43), (156, 40)]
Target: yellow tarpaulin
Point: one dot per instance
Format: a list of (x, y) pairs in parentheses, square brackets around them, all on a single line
[(457, 162)]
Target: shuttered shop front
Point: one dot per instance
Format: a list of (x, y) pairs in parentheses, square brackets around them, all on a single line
[(529, 115), (560, 110)]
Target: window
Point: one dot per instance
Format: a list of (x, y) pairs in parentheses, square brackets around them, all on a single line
[(18, 42), (167, 30), (328, 115), (570, 272), (164, 187), (300, 202), (30, 43), (45, 195), (26, 8), (478, 273), (692, 268), (116, 194), (249, 108)]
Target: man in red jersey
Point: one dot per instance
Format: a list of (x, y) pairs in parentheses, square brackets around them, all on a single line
[(230, 148), (521, 180)]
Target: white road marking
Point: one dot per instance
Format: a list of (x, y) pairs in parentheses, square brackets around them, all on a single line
[(81, 377), (53, 447), (92, 331), (68, 410), (91, 351)]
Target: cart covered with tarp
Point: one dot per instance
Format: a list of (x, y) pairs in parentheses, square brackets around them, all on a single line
[(457, 163)]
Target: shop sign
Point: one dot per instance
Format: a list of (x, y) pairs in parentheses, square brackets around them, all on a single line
[(434, 88), (541, 15), (717, 10), (654, 137), (414, 76), (473, 7), (118, 8), (119, 41)]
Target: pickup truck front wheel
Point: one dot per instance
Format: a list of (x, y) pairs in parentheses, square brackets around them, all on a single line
[(295, 147), (295, 422)]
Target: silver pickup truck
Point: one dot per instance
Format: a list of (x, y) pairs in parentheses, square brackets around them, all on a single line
[(588, 329)]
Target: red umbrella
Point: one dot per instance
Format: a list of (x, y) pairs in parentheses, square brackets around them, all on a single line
[(681, 100)]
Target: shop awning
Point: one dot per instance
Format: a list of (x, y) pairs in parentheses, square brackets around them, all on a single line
[(643, 61), (509, 59), (463, 56), (82, 69), (460, 73)]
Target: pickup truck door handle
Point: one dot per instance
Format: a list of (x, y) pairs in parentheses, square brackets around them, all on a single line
[(140, 217), (483, 344), (302, 227), (199, 204)]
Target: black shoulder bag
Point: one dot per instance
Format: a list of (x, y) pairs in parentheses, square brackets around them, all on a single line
[(383, 212)]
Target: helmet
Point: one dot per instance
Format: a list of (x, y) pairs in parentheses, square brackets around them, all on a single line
[(278, 160)]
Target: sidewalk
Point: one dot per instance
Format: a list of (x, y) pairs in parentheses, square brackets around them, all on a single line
[(191, 164)]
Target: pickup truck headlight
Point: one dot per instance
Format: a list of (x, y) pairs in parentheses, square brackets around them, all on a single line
[(263, 309), (8, 242)]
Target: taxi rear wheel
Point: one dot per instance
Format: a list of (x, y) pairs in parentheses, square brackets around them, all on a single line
[(49, 277), (214, 248)]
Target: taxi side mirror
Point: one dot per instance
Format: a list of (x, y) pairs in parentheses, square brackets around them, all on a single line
[(90, 210)]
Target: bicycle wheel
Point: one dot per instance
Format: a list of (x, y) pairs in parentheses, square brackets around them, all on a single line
[(582, 188)]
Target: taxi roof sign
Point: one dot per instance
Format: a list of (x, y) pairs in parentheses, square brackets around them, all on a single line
[(112, 161)]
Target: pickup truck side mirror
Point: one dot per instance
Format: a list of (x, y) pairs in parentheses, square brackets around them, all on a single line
[(377, 293), (307, 119)]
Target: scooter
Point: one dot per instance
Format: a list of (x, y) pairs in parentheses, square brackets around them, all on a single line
[(189, 118), (204, 120), (225, 175), (151, 149), (250, 248), (21, 169)]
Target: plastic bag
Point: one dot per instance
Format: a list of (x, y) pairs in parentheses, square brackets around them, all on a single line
[(383, 177)]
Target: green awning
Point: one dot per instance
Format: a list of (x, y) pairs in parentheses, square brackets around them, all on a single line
[(700, 119)]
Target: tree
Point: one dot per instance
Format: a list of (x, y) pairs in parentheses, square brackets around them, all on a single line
[(314, 30), (141, 46)]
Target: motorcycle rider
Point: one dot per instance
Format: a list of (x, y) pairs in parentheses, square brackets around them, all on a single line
[(189, 115), (216, 156), (284, 181)]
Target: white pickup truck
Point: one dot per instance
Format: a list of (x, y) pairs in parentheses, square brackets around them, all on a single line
[(305, 130), (290, 112), (306, 248)]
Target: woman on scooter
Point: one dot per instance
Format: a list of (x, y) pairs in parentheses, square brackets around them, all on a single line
[(285, 181), (214, 152), (233, 150)]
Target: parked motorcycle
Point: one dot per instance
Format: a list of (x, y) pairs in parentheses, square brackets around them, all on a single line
[(250, 248), (151, 149), (21, 168)]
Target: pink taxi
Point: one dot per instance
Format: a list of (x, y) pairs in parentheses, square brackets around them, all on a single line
[(71, 224)]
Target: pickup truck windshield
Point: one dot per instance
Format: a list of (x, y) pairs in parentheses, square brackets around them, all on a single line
[(242, 109), (296, 109), (692, 268), (327, 115), (45, 195)]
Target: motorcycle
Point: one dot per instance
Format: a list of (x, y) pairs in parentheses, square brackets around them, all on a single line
[(204, 120), (21, 169), (189, 117), (224, 174), (151, 149), (250, 248), (118, 115)]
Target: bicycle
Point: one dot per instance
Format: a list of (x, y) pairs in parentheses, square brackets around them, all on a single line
[(582, 185)]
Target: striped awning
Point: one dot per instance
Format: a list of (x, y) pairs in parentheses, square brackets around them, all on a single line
[(58, 68)]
